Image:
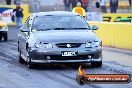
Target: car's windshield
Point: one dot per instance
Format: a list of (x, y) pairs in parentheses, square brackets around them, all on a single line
[(60, 23)]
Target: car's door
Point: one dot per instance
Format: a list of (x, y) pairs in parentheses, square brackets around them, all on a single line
[(24, 38)]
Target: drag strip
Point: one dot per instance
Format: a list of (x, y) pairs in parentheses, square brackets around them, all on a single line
[(15, 75)]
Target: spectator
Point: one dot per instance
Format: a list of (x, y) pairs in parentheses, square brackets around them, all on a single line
[(85, 5), (103, 5), (97, 4), (17, 2), (113, 6), (67, 5), (130, 2), (80, 10), (74, 3), (19, 15), (8, 2), (35, 6), (80, 1)]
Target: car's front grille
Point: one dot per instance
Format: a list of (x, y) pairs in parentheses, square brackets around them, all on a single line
[(68, 45), (70, 57)]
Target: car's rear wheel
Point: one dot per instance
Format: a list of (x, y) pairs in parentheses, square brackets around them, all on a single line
[(0, 36), (5, 36), (96, 64)]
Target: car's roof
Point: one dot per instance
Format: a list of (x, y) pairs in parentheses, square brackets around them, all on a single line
[(56, 13)]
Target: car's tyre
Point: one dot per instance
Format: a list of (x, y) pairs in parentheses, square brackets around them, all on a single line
[(30, 64), (18, 49), (96, 64), (20, 59), (5, 36), (0, 36)]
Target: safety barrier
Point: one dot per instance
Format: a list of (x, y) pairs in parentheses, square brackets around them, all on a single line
[(112, 17), (6, 13), (112, 34)]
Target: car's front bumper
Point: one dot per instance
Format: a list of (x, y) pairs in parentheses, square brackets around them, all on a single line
[(40, 56), (67, 61)]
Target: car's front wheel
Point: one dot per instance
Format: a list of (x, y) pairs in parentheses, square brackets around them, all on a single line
[(96, 64), (21, 60), (30, 64)]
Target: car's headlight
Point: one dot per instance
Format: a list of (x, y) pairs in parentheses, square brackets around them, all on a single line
[(92, 44), (45, 45), (36, 45)]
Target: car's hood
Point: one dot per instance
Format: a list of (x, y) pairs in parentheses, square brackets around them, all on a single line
[(64, 36)]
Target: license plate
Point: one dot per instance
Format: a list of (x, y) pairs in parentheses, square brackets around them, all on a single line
[(69, 53)]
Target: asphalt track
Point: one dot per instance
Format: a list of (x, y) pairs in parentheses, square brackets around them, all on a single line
[(15, 75)]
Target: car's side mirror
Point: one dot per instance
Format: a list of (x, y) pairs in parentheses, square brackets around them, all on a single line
[(94, 27), (24, 29)]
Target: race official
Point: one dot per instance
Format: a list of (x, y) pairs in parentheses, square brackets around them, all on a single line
[(103, 5), (67, 5), (80, 10)]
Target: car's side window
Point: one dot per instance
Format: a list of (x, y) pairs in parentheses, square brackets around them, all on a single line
[(27, 24)]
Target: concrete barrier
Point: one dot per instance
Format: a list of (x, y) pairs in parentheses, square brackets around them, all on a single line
[(109, 17), (117, 35)]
